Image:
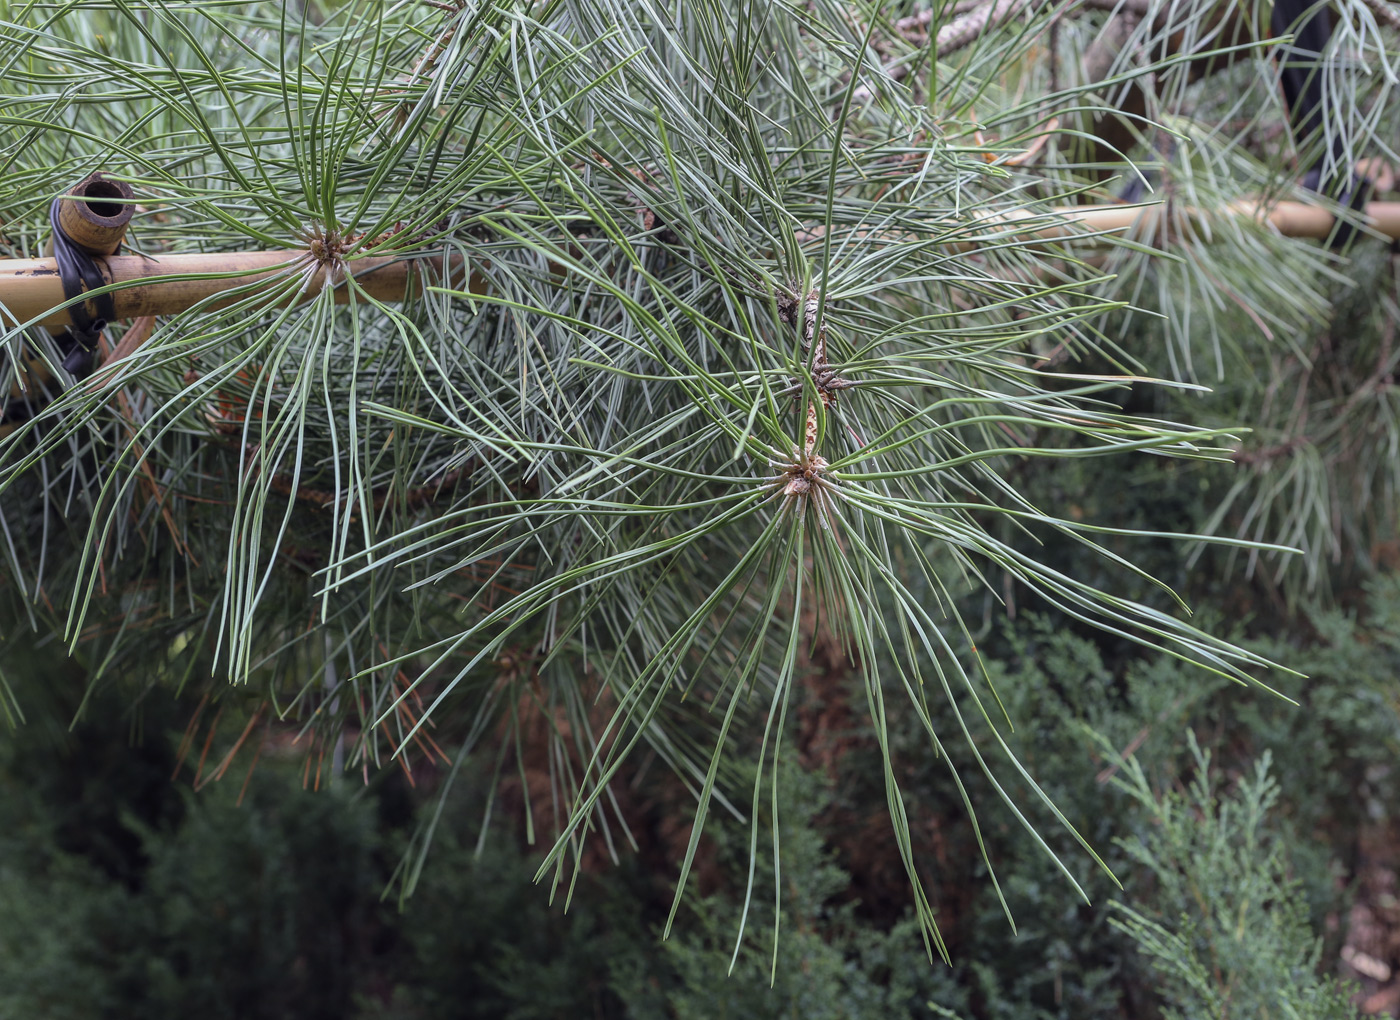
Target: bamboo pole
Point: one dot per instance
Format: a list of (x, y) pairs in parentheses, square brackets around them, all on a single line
[(1291, 219), (30, 289)]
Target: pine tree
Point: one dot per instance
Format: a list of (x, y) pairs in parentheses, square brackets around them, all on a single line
[(728, 328)]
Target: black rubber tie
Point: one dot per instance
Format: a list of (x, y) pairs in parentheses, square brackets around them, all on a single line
[(1300, 73), (78, 272)]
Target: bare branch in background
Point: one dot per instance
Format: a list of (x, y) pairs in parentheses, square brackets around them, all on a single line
[(965, 30), (915, 27), (1384, 12)]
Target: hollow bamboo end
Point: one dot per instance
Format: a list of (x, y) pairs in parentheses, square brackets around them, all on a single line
[(96, 217)]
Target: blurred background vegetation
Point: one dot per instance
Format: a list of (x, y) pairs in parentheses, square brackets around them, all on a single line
[(1255, 841)]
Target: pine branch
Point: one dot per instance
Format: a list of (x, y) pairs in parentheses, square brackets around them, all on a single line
[(719, 351)]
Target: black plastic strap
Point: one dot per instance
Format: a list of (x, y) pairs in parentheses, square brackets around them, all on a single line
[(78, 272), (1300, 72), (1300, 69)]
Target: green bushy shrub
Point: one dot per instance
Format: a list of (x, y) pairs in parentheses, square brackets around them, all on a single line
[(814, 959), (1229, 934), (120, 894)]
